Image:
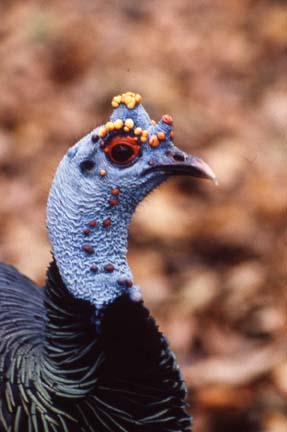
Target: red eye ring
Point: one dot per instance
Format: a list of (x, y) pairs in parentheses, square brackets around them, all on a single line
[(122, 150)]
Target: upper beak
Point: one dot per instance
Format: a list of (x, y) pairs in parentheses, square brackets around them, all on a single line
[(183, 164)]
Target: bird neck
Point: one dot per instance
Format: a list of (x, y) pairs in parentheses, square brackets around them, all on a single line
[(130, 357), (88, 233), (75, 350)]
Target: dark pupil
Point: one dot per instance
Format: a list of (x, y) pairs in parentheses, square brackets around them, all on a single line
[(121, 153)]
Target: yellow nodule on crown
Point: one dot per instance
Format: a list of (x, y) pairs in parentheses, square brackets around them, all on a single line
[(130, 99), (127, 126)]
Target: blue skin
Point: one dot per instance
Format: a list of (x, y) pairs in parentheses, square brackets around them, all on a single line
[(78, 196)]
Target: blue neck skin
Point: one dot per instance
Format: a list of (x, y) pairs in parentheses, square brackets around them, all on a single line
[(89, 209), (92, 260)]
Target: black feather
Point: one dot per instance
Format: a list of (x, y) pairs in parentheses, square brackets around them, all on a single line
[(59, 373)]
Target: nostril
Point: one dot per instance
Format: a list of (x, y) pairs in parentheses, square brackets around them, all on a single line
[(178, 157)]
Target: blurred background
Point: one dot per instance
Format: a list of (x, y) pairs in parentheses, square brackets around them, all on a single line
[(210, 259)]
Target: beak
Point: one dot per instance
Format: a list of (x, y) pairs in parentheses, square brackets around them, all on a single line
[(183, 164)]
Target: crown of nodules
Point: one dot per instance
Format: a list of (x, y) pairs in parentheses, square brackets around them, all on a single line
[(129, 117)]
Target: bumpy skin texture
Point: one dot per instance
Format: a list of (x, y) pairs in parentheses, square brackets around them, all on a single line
[(78, 197), (57, 373), (82, 193)]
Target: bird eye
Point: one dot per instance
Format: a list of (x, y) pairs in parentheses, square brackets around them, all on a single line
[(122, 150), (121, 153)]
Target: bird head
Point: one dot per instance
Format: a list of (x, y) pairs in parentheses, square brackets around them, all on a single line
[(99, 183), (131, 153)]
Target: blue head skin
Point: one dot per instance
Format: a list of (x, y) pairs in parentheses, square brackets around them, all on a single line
[(96, 189)]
